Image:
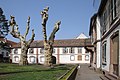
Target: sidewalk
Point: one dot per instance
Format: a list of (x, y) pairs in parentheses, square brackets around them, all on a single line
[(84, 73)]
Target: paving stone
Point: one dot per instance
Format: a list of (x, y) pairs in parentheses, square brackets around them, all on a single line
[(84, 73)]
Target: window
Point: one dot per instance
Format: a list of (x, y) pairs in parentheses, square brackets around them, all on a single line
[(104, 53), (79, 50), (32, 59), (103, 21), (53, 50), (16, 59), (72, 50), (65, 50), (7, 54), (87, 57), (79, 57), (16, 51), (42, 50), (42, 59), (31, 50), (72, 57), (113, 10)]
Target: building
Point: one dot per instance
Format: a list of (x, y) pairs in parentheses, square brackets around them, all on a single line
[(5, 49), (68, 51), (105, 36), (95, 36)]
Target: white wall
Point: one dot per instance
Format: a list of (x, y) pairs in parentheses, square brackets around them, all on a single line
[(64, 58)]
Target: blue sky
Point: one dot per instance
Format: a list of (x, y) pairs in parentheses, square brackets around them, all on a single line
[(74, 16)]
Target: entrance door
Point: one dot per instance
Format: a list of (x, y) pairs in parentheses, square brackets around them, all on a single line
[(115, 54), (53, 59)]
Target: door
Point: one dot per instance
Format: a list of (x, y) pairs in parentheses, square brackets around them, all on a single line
[(115, 54)]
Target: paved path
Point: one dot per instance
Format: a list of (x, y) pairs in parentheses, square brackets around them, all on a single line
[(84, 73)]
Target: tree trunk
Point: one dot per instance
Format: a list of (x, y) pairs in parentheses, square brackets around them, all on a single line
[(48, 55), (23, 55)]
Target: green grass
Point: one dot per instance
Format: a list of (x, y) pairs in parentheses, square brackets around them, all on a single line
[(32, 72)]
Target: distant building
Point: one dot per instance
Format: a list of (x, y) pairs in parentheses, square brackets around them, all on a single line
[(5, 50), (82, 36), (68, 51)]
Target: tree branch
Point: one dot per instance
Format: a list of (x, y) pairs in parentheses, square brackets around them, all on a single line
[(44, 15), (32, 38), (27, 27), (52, 36), (14, 32)]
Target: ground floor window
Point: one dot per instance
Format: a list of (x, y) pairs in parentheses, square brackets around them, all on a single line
[(32, 59), (42, 59), (104, 52), (72, 58), (16, 59), (7, 54), (86, 57), (79, 57)]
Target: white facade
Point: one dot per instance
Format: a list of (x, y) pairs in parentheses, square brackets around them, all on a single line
[(61, 57)]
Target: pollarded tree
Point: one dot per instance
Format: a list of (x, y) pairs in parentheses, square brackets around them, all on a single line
[(24, 44), (48, 44)]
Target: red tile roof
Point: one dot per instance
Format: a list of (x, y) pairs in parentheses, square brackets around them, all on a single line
[(61, 43), (9, 42)]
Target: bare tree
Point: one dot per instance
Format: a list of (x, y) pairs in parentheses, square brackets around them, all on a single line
[(24, 44), (48, 44)]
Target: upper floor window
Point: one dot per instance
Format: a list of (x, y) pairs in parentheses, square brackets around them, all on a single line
[(54, 50), (72, 50), (79, 50), (113, 10), (31, 50), (65, 50), (42, 50), (103, 21), (15, 51)]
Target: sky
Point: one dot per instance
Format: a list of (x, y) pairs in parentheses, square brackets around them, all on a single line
[(74, 16)]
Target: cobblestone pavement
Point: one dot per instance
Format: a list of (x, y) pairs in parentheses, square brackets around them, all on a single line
[(84, 73)]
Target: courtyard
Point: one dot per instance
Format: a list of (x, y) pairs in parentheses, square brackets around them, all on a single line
[(31, 72)]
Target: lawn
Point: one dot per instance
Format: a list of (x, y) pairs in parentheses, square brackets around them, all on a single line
[(31, 72)]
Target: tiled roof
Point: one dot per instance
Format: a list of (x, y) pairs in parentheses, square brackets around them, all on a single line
[(61, 43), (9, 42)]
